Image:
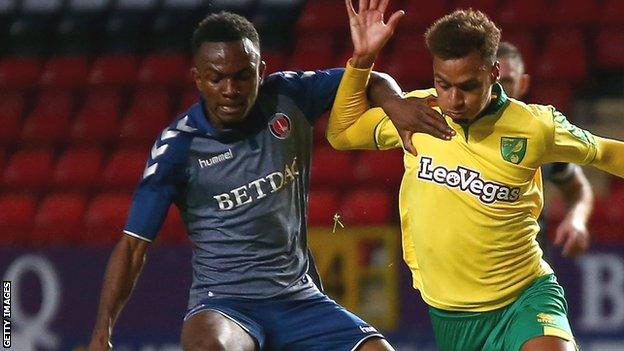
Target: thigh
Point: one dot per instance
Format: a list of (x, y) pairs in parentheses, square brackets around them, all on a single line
[(462, 331), (319, 323), (210, 329), (538, 317)]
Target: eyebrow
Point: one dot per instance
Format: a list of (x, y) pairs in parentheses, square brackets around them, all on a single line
[(460, 84)]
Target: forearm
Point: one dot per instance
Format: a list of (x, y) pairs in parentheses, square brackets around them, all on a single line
[(578, 196), (122, 271), (610, 156), (345, 129)]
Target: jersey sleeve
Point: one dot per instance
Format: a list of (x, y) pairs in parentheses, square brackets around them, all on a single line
[(312, 91), (164, 173), (568, 143)]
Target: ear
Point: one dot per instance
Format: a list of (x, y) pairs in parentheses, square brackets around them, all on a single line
[(495, 72), (525, 82), (196, 77), (261, 71)]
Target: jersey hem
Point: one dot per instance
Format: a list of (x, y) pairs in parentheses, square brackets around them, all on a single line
[(359, 343)]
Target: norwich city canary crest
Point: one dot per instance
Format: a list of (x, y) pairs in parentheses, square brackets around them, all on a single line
[(513, 149)]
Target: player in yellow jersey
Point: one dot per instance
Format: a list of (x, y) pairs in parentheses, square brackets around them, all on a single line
[(469, 205), (572, 233)]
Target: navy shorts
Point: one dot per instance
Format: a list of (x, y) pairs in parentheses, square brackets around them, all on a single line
[(280, 323)]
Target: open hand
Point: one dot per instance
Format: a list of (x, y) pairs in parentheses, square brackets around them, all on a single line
[(369, 33), (416, 115), (574, 237)]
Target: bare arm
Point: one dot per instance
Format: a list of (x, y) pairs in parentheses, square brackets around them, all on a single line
[(122, 271), (572, 233)]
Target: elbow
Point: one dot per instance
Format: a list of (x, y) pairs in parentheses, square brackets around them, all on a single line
[(335, 142)]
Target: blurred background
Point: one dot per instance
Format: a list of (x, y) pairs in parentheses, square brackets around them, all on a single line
[(86, 85)]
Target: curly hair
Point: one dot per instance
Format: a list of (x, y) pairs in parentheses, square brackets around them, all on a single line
[(462, 32), (224, 27)]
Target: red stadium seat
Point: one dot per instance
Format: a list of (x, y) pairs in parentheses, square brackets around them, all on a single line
[(78, 169), (189, 98), (489, 7), (323, 16), (105, 218), (28, 169), (607, 222), (59, 219), (610, 49), (172, 231), (49, 121), (64, 72), (573, 12), (19, 72), (611, 12), (524, 40), (523, 13), (113, 70), (275, 60), (410, 62), (312, 52), (147, 116), (16, 217), (379, 169), (318, 133), (366, 207), (165, 69), (322, 205), (12, 107), (419, 17), (558, 95), (124, 169), (331, 168), (97, 121), (552, 67)]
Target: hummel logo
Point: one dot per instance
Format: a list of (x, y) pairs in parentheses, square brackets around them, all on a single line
[(216, 159)]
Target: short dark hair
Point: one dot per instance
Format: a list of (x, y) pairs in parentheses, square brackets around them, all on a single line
[(224, 27), (462, 32), (509, 51)]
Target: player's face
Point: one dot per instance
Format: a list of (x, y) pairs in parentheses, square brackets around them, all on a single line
[(464, 85), (228, 74), (512, 77)]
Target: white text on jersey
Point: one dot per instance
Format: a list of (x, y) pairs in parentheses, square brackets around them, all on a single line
[(467, 180), (258, 188), (216, 159)]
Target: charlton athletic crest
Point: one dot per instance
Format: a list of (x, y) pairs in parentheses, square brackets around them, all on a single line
[(280, 126)]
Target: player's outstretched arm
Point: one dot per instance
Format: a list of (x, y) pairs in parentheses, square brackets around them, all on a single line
[(122, 271), (572, 232), (610, 156)]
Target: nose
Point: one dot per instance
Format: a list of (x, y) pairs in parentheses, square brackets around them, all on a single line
[(230, 88), (456, 99)]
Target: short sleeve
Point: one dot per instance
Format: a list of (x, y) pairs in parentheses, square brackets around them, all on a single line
[(313, 91), (569, 142), (163, 175)]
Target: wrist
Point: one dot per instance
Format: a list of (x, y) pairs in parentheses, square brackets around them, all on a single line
[(363, 61)]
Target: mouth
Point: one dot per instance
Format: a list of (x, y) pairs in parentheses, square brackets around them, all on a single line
[(231, 109), (455, 115)]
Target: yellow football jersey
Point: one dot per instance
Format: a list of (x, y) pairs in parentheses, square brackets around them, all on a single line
[(469, 206)]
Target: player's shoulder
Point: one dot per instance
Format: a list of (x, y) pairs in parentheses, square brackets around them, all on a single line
[(422, 93), (529, 114), (292, 79)]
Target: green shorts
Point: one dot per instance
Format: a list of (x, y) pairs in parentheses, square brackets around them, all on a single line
[(540, 310)]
